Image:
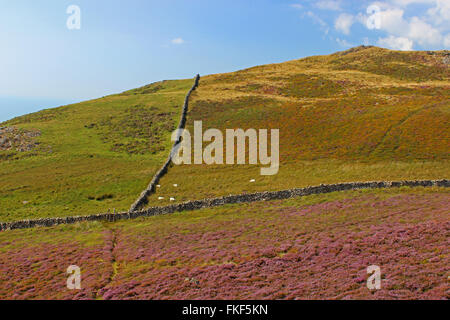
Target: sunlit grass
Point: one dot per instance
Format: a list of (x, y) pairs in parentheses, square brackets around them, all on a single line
[(337, 124), (87, 160)]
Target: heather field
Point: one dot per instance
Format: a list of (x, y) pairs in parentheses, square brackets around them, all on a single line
[(307, 248)]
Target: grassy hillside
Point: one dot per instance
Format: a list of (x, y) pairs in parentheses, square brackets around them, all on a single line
[(363, 114), (310, 248), (88, 157)]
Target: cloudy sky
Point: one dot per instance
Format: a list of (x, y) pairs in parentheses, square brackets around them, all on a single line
[(393, 24), (46, 60)]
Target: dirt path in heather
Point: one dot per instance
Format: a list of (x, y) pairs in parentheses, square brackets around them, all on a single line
[(111, 252)]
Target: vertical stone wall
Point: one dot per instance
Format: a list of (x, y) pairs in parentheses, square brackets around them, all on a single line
[(143, 198)]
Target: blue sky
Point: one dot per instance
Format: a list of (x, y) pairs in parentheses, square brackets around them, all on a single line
[(126, 44)]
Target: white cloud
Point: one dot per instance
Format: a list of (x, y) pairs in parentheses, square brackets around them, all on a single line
[(178, 41), (405, 3), (323, 25), (447, 41), (440, 14), (425, 30), (396, 43), (423, 33), (344, 43), (297, 6), (401, 23), (344, 22), (333, 5), (417, 30), (392, 21)]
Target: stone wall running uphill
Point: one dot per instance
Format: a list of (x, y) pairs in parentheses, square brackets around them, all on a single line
[(143, 198)]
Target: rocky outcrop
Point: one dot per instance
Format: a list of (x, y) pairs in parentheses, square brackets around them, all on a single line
[(143, 198), (19, 140), (215, 202)]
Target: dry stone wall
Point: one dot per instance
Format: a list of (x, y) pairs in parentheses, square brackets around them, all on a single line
[(143, 198), (215, 202)]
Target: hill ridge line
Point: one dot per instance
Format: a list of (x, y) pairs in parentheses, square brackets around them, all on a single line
[(142, 200), (216, 202)]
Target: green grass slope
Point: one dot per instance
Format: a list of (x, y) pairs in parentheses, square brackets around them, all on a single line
[(88, 157)]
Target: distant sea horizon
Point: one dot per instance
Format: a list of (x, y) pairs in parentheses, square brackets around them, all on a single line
[(11, 107)]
